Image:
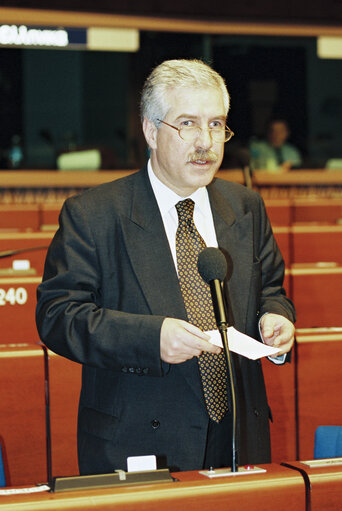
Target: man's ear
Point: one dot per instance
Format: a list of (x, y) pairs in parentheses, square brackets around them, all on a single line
[(150, 132)]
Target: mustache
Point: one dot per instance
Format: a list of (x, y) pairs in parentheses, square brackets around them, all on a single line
[(202, 155)]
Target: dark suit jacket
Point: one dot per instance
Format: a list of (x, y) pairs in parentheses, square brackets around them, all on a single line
[(108, 284)]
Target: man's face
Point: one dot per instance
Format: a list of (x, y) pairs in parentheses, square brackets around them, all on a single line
[(186, 166), (278, 133)]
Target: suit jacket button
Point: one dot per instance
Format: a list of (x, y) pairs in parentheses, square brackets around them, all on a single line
[(138, 370), (155, 424), (145, 370), (131, 370), (124, 369), (256, 412)]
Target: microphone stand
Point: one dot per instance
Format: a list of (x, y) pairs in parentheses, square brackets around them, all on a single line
[(222, 327)]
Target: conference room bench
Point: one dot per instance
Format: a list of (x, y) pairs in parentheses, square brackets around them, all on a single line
[(302, 395), (314, 209), (49, 213), (64, 385), (279, 211), (37, 385), (281, 396), (318, 383), (316, 243), (275, 487), (19, 217), (32, 247), (323, 482), (301, 486), (316, 292), (289, 211), (17, 309), (23, 413)]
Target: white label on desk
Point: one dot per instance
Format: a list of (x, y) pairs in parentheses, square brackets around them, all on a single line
[(141, 463), (324, 462)]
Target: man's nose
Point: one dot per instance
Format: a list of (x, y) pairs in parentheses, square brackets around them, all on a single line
[(204, 139)]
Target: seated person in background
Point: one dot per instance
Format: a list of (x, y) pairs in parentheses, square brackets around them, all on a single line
[(275, 154)]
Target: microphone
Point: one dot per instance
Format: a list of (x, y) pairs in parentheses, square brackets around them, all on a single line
[(9, 253), (212, 266)]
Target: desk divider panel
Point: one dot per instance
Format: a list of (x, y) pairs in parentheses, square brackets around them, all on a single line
[(22, 413)]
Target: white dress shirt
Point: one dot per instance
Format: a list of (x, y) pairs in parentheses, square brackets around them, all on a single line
[(167, 200), (203, 219)]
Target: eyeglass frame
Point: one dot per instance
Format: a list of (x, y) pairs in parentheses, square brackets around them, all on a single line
[(226, 130)]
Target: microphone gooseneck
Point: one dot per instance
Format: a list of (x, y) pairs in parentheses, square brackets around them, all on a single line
[(212, 266)]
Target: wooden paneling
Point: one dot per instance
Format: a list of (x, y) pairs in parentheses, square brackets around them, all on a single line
[(319, 373), (65, 386), (17, 309), (317, 210), (24, 241), (325, 485), (19, 217), (316, 292), (280, 386), (22, 414), (316, 243), (279, 211)]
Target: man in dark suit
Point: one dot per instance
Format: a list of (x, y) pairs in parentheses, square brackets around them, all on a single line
[(111, 299)]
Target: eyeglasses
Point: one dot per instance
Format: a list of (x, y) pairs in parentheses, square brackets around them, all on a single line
[(190, 133)]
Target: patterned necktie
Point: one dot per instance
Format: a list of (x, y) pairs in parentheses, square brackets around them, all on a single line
[(199, 307)]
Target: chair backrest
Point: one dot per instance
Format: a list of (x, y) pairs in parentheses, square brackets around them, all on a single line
[(2, 471), (328, 442)]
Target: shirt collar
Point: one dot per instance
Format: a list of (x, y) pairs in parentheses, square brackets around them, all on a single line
[(167, 198)]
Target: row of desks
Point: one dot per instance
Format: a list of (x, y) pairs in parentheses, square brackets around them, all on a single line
[(293, 485), (302, 395), (285, 212), (315, 292)]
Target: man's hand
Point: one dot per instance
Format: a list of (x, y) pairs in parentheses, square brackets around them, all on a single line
[(277, 331), (180, 341)]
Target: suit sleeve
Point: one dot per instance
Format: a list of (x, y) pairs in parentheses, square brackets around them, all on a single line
[(70, 315), (273, 296)]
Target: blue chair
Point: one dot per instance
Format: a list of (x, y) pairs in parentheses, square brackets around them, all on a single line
[(2, 471), (328, 442)]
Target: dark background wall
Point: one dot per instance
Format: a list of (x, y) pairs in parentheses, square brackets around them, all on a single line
[(59, 99), (314, 11)]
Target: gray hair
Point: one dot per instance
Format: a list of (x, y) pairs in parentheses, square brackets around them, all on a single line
[(176, 73)]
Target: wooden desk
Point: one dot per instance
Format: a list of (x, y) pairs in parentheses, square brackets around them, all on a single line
[(65, 386), (316, 292), (17, 309), (280, 387), (325, 484), (319, 383), (317, 210), (316, 243), (22, 414), (282, 235), (25, 240), (19, 216), (279, 488)]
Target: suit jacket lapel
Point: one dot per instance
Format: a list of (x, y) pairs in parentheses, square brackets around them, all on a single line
[(152, 262), (148, 249), (235, 239)]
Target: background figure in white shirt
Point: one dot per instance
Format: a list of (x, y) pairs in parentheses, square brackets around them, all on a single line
[(275, 154)]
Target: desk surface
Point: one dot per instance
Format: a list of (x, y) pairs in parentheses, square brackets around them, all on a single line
[(325, 482), (279, 488)]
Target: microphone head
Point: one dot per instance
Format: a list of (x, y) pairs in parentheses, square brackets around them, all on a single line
[(212, 264)]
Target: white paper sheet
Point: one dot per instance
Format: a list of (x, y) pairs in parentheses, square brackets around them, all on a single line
[(243, 344)]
